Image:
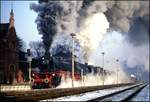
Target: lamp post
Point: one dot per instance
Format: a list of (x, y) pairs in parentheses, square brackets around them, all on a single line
[(29, 60), (103, 53), (82, 80), (72, 35), (117, 69)]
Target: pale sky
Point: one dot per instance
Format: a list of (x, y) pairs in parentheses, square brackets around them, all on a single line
[(25, 25)]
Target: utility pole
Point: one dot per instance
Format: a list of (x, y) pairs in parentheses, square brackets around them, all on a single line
[(103, 53), (72, 35), (117, 69)]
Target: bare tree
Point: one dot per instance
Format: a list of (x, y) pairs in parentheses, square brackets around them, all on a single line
[(21, 44), (37, 49)]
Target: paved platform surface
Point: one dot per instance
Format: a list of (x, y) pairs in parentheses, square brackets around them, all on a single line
[(23, 87)]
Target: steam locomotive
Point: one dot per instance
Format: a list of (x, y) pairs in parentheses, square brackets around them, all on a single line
[(62, 70), (60, 66), (51, 79)]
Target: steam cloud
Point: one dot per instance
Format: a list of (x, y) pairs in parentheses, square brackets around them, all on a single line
[(65, 17), (115, 47), (90, 21), (93, 80)]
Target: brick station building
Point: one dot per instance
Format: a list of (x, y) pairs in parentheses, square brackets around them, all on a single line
[(8, 52)]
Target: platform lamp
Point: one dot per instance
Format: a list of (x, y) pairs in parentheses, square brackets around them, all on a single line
[(117, 61), (72, 35), (29, 60), (103, 53)]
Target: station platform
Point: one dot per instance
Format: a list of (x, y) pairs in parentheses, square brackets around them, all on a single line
[(16, 87)]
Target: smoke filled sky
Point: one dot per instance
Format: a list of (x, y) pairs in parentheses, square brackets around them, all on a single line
[(24, 19), (27, 29)]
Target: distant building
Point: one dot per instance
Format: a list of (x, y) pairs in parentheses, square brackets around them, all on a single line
[(8, 52)]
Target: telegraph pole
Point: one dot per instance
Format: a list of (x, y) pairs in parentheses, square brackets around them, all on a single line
[(103, 53), (117, 69), (72, 35)]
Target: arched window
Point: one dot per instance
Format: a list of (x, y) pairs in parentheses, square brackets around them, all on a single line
[(12, 67), (12, 45)]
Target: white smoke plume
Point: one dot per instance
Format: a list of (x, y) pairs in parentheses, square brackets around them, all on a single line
[(92, 32), (89, 35), (115, 47), (129, 17), (94, 80)]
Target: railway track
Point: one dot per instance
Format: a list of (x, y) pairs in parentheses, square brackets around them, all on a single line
[(143, 95), (121, 95), (41, 94)]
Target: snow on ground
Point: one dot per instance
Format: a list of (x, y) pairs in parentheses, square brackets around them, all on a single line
[(143, 95), (89, 95), (123, 95)]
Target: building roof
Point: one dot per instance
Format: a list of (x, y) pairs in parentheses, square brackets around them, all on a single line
[(4, 27)]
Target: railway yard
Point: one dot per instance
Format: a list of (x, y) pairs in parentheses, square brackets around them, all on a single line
[(116, 92)]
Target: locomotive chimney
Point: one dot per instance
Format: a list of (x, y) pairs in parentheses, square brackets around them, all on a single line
[(86, 64), (41, 1)]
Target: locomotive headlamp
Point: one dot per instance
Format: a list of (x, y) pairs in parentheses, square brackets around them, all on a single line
[(33, 74)]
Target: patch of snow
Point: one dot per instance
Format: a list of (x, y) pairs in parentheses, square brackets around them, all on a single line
[(143, 95)]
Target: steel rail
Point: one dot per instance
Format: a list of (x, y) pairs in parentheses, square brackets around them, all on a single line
[(109, 97)]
